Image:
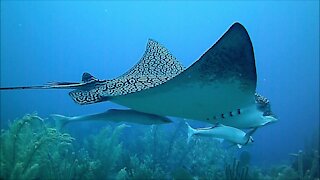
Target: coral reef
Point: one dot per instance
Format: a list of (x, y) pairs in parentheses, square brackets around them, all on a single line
[(235, 171), (306, 164), (105, 151), (162, 153), (244, 159), (31, 149)]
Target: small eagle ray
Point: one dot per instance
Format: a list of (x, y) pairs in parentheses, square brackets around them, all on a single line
[(220, 87)]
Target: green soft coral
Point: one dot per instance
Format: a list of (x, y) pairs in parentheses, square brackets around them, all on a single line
[(161, 152), (16, 143), (30, 150), (143, 169), (106, 150)]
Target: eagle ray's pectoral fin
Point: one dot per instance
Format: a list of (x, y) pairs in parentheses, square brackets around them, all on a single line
[(84, 97)]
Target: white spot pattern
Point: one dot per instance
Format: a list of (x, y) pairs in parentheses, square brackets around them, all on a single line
[(155, 67)]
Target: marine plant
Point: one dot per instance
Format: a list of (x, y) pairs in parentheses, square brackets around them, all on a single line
[(306, 165), (236, 171), (30, 150), (105, 151), (306, 161), (244, 158), (163, 151)]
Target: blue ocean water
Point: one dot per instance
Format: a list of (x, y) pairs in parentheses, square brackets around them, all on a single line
[(58, 41)]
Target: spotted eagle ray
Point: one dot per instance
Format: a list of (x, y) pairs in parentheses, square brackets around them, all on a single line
[(220, 87)]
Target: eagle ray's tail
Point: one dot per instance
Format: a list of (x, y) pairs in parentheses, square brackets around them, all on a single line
[(52, 85), (88, 81)]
